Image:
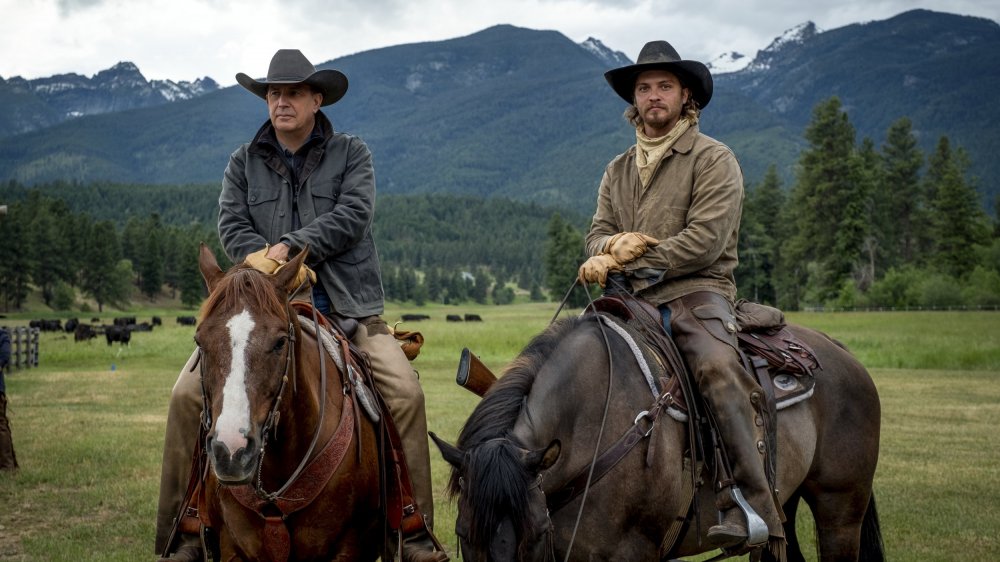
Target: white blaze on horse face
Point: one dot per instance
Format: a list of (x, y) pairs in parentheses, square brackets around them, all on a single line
[(234, 421)]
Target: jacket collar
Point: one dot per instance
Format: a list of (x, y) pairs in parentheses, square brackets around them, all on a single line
[(266, 141)]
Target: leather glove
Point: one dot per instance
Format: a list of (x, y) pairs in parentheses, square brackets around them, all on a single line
[(269, 266), (300, 277), (596, 268), (259, 261), (628, 246)]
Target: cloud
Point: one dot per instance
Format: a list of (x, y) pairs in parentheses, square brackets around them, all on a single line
[(188, 39)]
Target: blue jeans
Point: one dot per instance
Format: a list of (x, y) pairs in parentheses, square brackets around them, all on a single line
[(321, 301)]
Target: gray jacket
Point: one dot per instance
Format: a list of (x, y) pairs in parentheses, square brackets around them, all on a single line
[(336, 205)]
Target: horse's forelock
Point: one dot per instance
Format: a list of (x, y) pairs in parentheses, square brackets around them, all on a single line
[(247, 286), (500, 490)]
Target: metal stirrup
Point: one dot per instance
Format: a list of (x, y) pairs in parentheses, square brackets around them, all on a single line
[(756, 528)]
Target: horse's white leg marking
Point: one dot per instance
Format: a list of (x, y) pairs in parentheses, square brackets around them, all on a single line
[(234, 421)]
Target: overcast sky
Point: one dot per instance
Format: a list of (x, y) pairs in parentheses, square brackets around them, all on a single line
[(188, 39)]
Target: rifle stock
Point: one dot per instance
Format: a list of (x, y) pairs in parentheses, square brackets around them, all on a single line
[(473, 375)]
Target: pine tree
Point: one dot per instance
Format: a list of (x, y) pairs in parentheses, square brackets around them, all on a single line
[(15, 263), (827, 239), (761, 231), (564, 253), (958, 223), (899, 199), (107, 277)]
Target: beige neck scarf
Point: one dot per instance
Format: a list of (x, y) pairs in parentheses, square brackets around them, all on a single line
[(649, 152)]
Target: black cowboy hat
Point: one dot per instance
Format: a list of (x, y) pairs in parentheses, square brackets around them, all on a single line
[(659, 55), (290, 66)]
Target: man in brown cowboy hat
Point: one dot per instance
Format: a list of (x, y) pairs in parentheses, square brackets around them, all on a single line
[(668, 216), (299, 183)]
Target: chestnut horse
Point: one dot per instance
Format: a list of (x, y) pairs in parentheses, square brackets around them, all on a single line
[(575, 389), (293, 466)]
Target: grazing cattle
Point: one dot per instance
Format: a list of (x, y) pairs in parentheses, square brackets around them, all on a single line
[(95, 320), (71, 324), (157, 321), (124, 320), (473, 318), (120, 334), (84, 332), (46, 325), (141, 327), (453, 318), (415, 317), (186, 320)]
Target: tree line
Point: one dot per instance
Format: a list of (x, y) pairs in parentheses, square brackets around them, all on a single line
[(866, 226), (861, 226)]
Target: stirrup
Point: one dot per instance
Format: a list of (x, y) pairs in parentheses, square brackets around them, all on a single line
[(756, 528)]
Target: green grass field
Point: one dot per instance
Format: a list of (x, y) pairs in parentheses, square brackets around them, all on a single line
[(88, 428)]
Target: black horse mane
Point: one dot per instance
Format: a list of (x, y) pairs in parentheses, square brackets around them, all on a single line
[(499, 487)]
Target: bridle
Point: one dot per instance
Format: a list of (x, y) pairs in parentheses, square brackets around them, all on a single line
[(274, 414)]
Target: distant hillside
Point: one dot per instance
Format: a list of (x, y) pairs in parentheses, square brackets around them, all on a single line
[(524, 114)]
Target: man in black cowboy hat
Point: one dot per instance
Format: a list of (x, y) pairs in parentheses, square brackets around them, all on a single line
[(668, 216), (299, 183)]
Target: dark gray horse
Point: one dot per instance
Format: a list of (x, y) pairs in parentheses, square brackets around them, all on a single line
[(540, 425)]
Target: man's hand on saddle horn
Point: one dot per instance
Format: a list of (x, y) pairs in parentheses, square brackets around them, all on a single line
[(595, 269), (625, 247)]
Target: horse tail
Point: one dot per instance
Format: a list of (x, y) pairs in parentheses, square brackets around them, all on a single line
[(871, 548)]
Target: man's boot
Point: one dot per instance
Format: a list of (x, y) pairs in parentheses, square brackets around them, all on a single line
[(188, 550), (734, 412), (423, 546)]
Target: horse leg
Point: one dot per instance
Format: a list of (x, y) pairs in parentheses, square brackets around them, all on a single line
[(838, 515), (793, 550)]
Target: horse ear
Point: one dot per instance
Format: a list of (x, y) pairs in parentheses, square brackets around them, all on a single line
[(288, 272), (210, 269), (542, 459), (452, 454)]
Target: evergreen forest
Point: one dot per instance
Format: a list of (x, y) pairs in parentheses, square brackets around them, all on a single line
[(862, 226)]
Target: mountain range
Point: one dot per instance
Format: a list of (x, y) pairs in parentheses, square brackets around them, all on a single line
[(520, 113)]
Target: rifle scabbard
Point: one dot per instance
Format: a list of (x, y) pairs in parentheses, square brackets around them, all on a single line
[(473, 375)]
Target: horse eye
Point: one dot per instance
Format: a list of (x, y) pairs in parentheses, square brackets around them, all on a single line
[(279, 345)]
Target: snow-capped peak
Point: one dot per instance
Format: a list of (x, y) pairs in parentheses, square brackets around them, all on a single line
[(728, 62), (609, 57)]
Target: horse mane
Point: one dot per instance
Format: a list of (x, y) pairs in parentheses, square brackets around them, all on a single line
[(244, 284), (500, 486)]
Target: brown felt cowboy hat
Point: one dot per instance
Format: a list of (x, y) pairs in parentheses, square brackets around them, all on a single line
[(290, 66), (659, 55)]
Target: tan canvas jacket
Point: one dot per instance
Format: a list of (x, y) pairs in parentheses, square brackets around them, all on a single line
[(692, 205)]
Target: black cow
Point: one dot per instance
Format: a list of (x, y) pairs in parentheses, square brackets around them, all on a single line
[(71, 324), (453, 318), (186, 320), (120, 334), (46, 325), (157, 321), (473, 318), (140, 327), (84, 332), (124, 320), (415, 317)]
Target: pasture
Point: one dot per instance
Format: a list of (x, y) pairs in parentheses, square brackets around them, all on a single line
[(88, 428)]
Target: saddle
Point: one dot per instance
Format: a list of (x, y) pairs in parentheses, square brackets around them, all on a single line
[(768, 346)]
